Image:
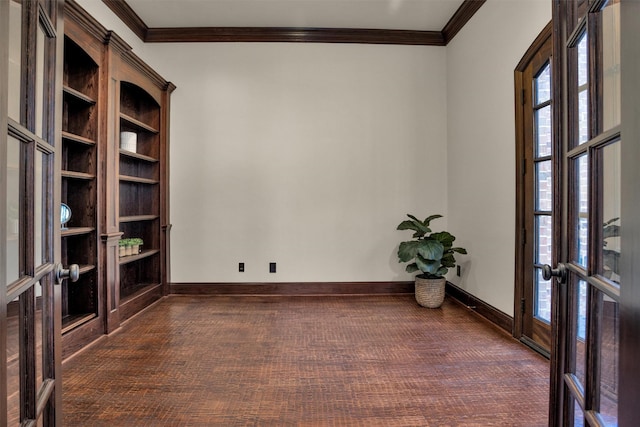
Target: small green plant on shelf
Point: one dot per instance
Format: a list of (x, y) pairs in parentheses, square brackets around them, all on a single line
[(122, 247), (136, 244), (128, 247)]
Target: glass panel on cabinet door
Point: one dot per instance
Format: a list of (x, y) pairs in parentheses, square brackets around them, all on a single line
[(12, 267), (15, 58), (610, 212), (610, 64)]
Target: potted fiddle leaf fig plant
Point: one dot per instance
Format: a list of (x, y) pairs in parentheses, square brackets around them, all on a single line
[(431, 253)]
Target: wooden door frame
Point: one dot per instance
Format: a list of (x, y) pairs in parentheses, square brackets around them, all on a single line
[(519, 294), (629, 385), (4, 83)]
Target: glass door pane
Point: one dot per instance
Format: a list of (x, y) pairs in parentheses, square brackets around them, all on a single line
[(40, 81), (580, 331), (578, 416), (39, 214), (580, 220), (610, 256), (13, 364), (610, 64), (609, 344), (543, 256), (12, 267), (583, 90), (15, 58)]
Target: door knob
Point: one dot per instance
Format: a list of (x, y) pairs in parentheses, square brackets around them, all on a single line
[(72, 273), (560, 272)]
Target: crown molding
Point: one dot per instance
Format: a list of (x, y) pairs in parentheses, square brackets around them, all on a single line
[(75, 12), (459, 19), (297, 35), (127, 15), (294, 35)]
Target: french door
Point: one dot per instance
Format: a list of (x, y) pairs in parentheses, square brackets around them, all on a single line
[(600, 219), (535, 195), (30, 43)]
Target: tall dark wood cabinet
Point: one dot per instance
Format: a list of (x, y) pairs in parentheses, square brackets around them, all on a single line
[(115, 189)]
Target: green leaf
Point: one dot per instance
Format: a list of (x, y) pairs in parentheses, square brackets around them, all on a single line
[(430, 250), (415, 226), (411, 268), (442, 271), (407, 225), (430, 218), (408, 250), (413, 218), (448, 260), (427, 265), (459, 250), (443, 237)]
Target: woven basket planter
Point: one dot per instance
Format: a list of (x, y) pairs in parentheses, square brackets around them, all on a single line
[(430, 292)]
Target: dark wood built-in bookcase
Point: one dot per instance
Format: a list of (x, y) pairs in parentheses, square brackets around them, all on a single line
[(139, 191), (80, 183), (114, 193)]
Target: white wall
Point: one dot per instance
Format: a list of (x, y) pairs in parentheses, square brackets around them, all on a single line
[(481, 142), (307, 155)]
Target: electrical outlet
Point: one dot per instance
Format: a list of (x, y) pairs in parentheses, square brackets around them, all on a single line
[(458, 270), (241, 267), (272, 267)]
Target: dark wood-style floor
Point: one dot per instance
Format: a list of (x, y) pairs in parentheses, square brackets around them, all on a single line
[(305, 361)]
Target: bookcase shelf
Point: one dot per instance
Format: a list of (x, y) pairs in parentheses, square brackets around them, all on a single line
[(138, 180), (77, 175), (138, 218), (76, 231), (125, 153), (130, 122), (72, 95), (70, 137), (142, 255)]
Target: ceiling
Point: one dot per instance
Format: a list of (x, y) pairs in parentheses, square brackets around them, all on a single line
[(417, 15)]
